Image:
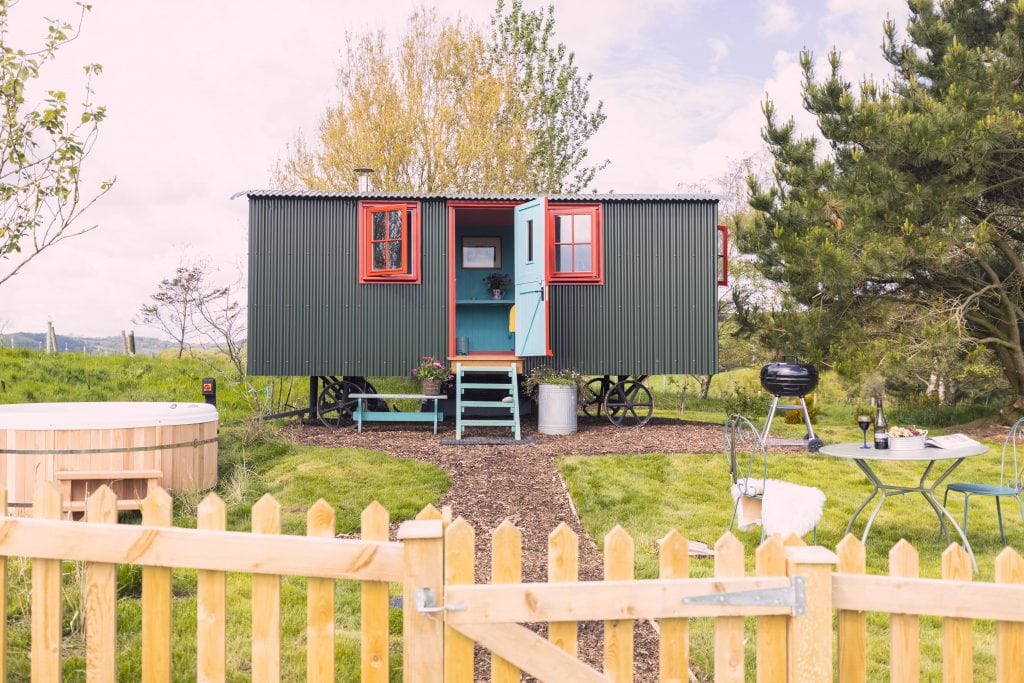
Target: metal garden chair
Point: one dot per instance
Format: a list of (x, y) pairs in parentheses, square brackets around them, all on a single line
[(1007, 488), (739, 436), (748, 469)]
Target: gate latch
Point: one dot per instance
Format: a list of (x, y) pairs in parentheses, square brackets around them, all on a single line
[(426, 602), (794, 596)]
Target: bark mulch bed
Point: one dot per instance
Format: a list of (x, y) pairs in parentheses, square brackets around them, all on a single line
[(521, 483)]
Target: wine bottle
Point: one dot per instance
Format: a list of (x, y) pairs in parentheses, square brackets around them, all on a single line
[(881, 426)]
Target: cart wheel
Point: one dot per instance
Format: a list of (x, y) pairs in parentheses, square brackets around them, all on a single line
[(629, 404), (598, 388), (334, 407), (814, 445)]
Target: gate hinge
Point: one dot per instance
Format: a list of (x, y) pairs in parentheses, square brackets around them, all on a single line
[(793, 595), (426, 602)]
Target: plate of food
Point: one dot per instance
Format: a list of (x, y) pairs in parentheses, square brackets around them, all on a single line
[(906, 438)]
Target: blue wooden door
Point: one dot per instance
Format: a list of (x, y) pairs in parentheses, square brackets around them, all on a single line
[(531, 286)]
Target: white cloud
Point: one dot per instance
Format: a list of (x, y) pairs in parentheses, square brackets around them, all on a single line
[(778, 18), (719, 51)]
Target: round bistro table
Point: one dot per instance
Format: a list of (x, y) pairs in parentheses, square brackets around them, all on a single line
[(864, 457)]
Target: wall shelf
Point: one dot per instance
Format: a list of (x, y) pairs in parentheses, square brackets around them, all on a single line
[(484, 302)]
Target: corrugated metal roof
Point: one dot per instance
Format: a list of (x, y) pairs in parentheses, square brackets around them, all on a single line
[(479, 197)]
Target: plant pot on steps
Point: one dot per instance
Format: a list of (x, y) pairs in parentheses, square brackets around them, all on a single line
[(556, 409), (431, 387)]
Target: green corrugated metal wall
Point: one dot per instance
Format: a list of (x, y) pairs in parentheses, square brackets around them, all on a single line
[(656, 312), (308, 314)]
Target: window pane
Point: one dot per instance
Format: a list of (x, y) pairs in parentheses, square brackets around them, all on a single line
[(378, 225), (529, 241), (378, 255), (394, 255), (581, 228), (563, 259), (563, 228), (394, 225), (582, 258)]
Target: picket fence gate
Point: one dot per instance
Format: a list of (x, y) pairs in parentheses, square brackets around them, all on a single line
[(793, 596)]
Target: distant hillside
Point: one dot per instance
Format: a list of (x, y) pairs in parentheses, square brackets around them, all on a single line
[(98, 345)]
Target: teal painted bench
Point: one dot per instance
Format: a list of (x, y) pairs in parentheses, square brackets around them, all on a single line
[(363, 415)]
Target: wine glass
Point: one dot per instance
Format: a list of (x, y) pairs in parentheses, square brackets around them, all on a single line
[(864, 421)]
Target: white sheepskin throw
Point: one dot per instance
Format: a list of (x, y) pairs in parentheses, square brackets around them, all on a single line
[(786, 507)]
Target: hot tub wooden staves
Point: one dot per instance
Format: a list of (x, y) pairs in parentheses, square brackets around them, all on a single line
[(127, 446)]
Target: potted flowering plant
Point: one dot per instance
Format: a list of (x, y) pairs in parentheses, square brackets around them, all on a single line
[(497, 283), (431, 372)]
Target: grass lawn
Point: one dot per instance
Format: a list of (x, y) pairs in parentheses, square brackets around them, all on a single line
[(646, 494), (650, 494), (348, 479)]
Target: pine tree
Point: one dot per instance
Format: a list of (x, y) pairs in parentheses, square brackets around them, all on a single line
[(918, 198)]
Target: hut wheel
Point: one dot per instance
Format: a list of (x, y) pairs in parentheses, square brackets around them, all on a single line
[(629, 404), (598, 387), (334, 407)]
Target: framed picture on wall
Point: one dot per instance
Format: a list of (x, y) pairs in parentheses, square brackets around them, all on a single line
[(481, 252)]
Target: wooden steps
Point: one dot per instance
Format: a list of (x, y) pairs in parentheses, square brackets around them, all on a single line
[(508, 385)]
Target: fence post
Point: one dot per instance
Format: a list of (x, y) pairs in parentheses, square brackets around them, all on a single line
[(809, 635), (156, 597), (374, 525), (46, 596), (101, 597), (422, 633)]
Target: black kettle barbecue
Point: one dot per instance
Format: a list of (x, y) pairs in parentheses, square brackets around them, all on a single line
[(790, 379)]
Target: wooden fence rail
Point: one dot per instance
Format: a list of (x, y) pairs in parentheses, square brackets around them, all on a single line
[(445, 611)]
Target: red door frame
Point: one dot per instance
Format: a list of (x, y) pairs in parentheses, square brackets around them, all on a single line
[(463, 204)]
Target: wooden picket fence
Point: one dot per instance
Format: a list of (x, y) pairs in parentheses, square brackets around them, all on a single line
[(446, 612)]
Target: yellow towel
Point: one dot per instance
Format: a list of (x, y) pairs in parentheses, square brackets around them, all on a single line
[(512, 319)]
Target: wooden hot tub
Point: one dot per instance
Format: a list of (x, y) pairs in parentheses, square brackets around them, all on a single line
[(128, 446)]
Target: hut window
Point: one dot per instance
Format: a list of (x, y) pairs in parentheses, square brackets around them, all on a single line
[(575, 245), (389, 242)]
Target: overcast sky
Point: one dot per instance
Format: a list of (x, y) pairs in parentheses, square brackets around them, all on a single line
[(203, 96)]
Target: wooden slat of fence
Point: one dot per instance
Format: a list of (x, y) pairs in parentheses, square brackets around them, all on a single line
[(563, 565), (674, 643), (422, 634), (320, 603), (618, 633), (934, 597), (904, 629), (46, 596), (603, 600), (535, 655), (1009, 636), (374, 525), (101, 598), (770, 560), (506, 567), (266, 601), (231, 551), (211, 601), (853, 625), (728, 630), (156, 598), (429, 513), (459, 560), (3, 597), (957, 634)]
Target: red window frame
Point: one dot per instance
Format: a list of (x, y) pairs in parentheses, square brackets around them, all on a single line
[(723, 255), (594, 276), (409, 271)]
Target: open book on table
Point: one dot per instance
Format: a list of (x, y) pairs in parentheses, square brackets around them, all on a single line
[(950, 441)]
